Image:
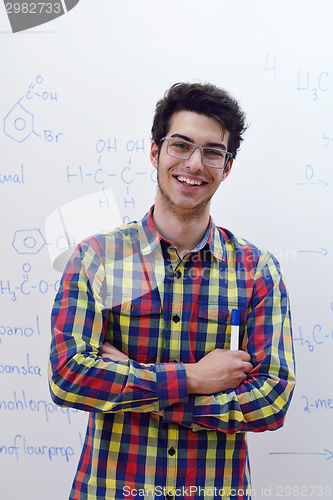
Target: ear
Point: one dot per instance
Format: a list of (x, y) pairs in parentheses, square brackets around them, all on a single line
[(154, 154), (227, 170)]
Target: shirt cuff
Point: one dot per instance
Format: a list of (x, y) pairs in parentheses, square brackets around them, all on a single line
[(180, 413), (171, 384)]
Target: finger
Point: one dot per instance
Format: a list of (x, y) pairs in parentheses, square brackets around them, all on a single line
[(248, 367), (116, 356), (107, 348), (112, 352), (245, 356)]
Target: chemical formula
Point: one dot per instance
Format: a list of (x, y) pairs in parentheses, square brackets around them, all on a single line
[(19, 123)]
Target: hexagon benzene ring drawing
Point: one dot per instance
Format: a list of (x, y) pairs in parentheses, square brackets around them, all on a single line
[(19, 123), (28, 241)]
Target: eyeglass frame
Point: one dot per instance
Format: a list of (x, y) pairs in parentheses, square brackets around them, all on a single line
[(227, 159)]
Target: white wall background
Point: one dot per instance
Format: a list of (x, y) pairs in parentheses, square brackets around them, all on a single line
[(92, 78)]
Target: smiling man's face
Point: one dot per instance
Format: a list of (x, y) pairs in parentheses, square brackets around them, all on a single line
[(187, 186)]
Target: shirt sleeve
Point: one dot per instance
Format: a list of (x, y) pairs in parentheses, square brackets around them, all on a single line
[(260, 403), (78, 375)]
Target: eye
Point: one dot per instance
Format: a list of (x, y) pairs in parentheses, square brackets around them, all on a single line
[(180, 145), (214, 153)]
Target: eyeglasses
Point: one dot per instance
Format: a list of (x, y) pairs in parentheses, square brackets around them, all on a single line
[(183, 150)]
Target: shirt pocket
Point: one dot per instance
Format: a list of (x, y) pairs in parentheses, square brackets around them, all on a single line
[(134, 327), (214, 322)]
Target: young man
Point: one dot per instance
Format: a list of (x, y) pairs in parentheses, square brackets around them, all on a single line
[(141, 327)]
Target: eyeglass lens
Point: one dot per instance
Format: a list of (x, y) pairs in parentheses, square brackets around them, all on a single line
[(183, 150)]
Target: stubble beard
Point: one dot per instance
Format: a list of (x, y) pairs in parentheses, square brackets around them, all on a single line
[(182, 214)]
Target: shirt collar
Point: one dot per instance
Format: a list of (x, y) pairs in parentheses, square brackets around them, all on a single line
[(149, 237)]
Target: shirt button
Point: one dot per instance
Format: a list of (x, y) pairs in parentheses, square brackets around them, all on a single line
[(178, 274), (171, 451), (176, 318)]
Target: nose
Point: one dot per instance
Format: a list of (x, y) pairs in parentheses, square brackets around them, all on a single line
[(194, 163)]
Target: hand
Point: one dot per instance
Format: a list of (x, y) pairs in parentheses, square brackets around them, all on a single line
[(218, 371), (108, 351), (160, 413)]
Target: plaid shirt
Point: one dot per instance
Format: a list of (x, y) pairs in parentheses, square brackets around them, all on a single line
[(130, 288)]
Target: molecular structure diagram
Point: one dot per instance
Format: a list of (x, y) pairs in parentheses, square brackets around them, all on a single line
[(19, 123), (28, 241)]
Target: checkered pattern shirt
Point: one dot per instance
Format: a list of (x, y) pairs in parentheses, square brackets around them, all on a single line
[(129, 287)]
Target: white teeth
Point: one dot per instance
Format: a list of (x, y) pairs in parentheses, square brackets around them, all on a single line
[(189, 181)]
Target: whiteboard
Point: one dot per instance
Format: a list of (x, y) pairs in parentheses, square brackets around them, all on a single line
[(76, 105)]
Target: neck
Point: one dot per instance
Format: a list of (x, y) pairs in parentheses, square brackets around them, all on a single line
[(185, 230)]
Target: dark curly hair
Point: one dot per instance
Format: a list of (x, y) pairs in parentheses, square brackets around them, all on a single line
[(205, 99)]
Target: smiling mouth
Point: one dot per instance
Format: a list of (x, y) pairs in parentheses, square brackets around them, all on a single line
[(189, 182)]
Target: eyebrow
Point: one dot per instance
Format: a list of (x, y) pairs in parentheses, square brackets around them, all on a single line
[(209, 144)]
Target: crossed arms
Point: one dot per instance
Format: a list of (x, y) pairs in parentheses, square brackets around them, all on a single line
[(229, 391)]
